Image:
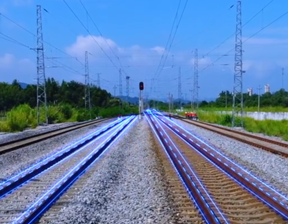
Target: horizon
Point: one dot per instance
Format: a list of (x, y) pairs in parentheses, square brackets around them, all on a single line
[(134, 40)]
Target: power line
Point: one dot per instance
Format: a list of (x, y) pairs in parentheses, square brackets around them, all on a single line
[(12, 40), (224, 41), (33, 34), (101, 33), (177, 26), (269, 24), (89, 33), (254, 34), (63, 66), (169, 36)]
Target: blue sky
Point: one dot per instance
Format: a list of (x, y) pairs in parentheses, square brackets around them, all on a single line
[(137, 32)]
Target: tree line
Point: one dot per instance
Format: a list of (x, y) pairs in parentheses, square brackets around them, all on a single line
[(225, 99), (73, 93)]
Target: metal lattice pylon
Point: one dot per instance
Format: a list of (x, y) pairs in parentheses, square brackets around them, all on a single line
[(127, 87), (41, 79), (120, 83), (87, 84), (179, 88), (238, 85), (195, 81), (98, 79)]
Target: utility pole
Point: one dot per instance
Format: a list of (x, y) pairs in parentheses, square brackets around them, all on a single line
[(98, 80), (283, 79), (195, 83), (226, 99), (41, 79), (127, 87), (259, 88), (87, 84), (115, 87), (238, 85), (179, 88), (170, 102), (120, 83), (192, 96)]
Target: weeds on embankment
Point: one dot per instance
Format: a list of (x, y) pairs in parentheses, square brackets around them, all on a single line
[(23, 116), (268, 127)]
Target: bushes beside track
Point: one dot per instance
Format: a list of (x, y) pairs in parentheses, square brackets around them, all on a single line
[(23, 116), (267, 127)]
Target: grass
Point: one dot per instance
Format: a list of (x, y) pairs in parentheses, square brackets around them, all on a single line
[(267, 127), (23, 116), (247, 109)]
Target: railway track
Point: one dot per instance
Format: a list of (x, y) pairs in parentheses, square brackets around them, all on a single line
[(19, 143), (185, 210), (26, 196), (223, 191), (273, 146)]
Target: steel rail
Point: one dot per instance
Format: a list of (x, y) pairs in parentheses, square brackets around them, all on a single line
[(272, 198), (26, 175), (238, 135), (19, 143), (188, 176), (34, 212)]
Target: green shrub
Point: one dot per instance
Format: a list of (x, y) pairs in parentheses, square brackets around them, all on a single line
[(54, 114), (4, 127), (226, 120), (110, 112), (83, 115), (67, 111), (20, 118)]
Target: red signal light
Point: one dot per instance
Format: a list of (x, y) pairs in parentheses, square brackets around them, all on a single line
[(141, 85)]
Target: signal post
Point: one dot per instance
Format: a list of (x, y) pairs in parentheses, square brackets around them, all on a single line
[(141, 88)]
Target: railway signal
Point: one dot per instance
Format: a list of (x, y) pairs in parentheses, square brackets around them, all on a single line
[(141, 85)]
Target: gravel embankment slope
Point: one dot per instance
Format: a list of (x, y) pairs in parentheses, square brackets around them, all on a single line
[(7, 137), (271, 168), (18, 160), (124, 186)]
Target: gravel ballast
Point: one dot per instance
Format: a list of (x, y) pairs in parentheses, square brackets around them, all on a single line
[(271, 168), (20, 159), (8, 137), (124, 186)]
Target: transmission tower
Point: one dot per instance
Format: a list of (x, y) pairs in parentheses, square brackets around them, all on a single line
[(238, 85), (98, 80), (179, 88), (120, 83), (115, 87), (127, 87), (283, 79), (87, 84), (41, 79), (195, 83)]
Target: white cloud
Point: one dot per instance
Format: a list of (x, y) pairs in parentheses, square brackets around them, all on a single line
[(159, 50), (133, 56), (203, 61), (12, 67), (6, 61), (92, 44)]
